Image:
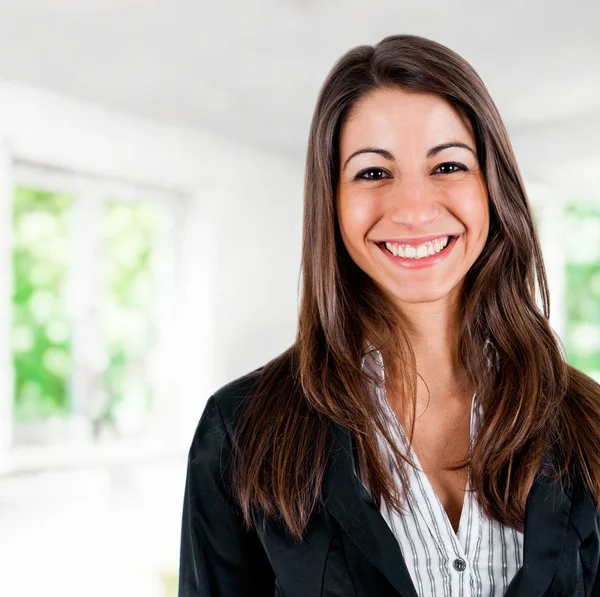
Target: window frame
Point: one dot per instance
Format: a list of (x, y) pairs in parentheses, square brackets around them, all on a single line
[(89, 192)]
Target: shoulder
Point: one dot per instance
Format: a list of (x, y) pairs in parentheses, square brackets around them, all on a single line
[(218, 416), (231, 397)]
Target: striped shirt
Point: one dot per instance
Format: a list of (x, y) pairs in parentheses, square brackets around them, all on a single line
[(479, 560)]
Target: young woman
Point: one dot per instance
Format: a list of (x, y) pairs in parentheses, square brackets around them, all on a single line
[(423, 436)]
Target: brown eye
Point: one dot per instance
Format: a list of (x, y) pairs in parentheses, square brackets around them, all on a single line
[(371, 174), (450, 168)]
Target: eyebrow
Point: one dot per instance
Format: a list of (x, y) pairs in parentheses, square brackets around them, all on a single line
[(388, 155)]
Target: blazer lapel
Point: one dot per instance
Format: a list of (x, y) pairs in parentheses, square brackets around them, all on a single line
[(355, 511), (546, 519)]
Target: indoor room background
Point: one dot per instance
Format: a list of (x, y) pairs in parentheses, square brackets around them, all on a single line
[(151, 172)]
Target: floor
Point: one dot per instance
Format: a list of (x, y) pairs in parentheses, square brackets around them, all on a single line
[(105, 532)]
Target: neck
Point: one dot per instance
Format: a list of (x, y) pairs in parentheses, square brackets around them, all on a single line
[(432, 329)]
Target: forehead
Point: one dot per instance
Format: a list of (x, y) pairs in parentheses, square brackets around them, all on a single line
[(391, 117)]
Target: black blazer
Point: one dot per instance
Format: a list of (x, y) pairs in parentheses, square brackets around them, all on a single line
[(350, 551)]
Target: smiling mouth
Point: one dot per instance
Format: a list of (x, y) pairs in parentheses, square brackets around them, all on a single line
[(418, 252)]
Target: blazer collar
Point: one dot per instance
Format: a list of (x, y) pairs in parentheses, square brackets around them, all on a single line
[(546, 518)]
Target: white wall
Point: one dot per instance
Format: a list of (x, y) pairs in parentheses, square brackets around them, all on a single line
[(562, 155), (241, 233)]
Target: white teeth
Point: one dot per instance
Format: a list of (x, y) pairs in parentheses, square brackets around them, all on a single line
[(420, 251)]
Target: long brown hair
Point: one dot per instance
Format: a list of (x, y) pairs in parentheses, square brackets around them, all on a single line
[(533, 402)]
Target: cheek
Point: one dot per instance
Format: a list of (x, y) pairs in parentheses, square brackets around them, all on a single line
[(356, 217), (470, 205)]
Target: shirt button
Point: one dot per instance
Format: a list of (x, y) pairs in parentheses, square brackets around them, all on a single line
[(459, 564)]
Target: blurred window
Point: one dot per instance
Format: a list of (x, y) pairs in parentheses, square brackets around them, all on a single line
[(582, 254), (93, 288), (41, 338)]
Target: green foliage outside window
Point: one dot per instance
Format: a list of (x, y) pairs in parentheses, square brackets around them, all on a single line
[(124, 313), (582, 239), (40, 330), (130, 235)]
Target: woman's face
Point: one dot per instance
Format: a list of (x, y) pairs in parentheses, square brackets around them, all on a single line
[(411, 201)]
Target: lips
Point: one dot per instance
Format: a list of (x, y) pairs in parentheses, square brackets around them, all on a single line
[(422, 262)]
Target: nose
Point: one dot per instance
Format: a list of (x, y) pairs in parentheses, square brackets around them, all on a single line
[(412, 205)]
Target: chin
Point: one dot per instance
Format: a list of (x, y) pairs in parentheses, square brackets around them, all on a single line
[(419, 295), (424, 298)]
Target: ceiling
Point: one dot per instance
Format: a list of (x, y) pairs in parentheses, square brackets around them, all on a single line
[(251, 70)]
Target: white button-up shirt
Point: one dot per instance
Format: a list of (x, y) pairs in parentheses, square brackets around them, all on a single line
[(479, 560)]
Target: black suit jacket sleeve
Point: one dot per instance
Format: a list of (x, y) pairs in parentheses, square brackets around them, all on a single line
[(596, 587), (218, 557)]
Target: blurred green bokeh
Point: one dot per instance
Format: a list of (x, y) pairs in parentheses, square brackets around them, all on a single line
[(125, 306), (582, 241), (40, 330)]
